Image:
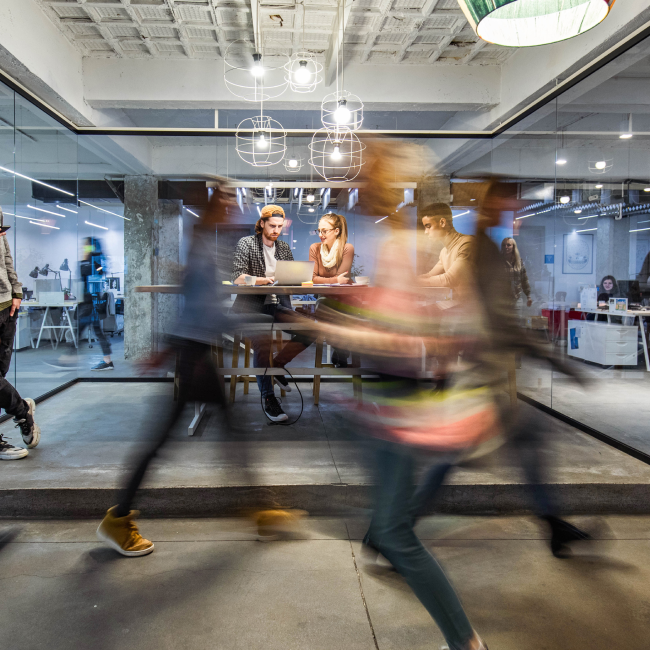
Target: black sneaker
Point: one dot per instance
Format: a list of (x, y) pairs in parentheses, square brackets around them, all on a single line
[(104, 366), (273, 409), (29, 430), (563, 533), (9, 452), (282, 382)]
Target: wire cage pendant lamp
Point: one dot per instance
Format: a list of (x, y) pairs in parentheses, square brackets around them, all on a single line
[(303, 70), (336, 156), (261, 141), (526, 23)]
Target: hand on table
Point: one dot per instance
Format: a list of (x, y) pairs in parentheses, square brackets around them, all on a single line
[(262, 281), (344, 279)]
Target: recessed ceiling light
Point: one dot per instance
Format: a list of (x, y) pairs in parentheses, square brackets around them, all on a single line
[(577, 212), (646, 189), (560, 161), (310, 197), (625, 136), (599, 187), (310, 209)]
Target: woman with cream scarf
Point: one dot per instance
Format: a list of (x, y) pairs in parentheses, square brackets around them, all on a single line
[(332, 262)]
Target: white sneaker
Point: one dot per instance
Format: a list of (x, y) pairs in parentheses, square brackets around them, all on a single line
[(31, 433), (9, 452), (281, 381)]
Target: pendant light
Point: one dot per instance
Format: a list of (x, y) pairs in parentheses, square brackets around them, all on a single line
[(261, 141), (341, 110), (293, 163), (303, 71), (336, 156), (526, 23)]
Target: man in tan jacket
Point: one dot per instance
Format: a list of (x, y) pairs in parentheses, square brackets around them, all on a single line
[(454, 267)]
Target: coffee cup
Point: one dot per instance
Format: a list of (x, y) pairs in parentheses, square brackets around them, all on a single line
[(362, 279), (249, 280)]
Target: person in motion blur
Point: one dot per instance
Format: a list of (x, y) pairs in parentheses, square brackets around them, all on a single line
[(256, 256), (11, 295), (333, 259), (454, 267), (399, 414), (92, 264), (203, 320)]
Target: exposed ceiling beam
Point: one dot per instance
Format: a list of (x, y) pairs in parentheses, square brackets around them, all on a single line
[(334, 50)]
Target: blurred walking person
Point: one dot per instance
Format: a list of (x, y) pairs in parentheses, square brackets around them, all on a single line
[(11, 295)]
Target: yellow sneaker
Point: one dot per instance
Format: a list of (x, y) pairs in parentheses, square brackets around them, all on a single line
[(276, 524), (122, 534)]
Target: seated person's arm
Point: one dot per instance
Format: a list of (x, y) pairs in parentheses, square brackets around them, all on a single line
[(241, 266), (454, 276), (436, 270)]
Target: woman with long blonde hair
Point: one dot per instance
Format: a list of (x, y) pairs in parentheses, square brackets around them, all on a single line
[(516, 270), (333, 256)]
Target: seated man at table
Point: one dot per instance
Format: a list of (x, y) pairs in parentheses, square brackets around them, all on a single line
[(453, 269), (257, 255)]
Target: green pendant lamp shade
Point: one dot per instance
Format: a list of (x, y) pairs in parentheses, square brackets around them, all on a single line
[(524, 23)]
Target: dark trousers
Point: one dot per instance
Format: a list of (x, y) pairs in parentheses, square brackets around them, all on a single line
[(391, 533), (262, 345), (10, 400), (198, 382), (88, 318)]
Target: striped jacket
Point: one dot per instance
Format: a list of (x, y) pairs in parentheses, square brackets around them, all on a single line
[(249, 260)]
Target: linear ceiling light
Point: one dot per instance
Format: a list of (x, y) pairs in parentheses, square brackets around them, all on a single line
[(56, 214), (525, 23), (96, 226), (106, 211), (60, 207), (58, 189), (193, 213), (19, 217), (40, 223)]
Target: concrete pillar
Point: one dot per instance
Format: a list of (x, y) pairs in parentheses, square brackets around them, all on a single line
[(167, 266), (612, 248), (431, 189), (153, 239)]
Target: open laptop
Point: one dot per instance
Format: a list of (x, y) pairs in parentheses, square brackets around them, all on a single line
[(293, 273)]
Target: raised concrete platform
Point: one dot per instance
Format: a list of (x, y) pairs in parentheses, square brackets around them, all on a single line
[(92, 431)]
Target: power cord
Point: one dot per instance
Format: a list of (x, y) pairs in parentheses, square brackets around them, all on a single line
[(302, 401)]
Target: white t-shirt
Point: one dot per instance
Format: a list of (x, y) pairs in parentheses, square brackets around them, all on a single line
[(270, 262)]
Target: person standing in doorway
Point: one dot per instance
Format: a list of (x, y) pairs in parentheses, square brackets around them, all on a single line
[(11, 295)]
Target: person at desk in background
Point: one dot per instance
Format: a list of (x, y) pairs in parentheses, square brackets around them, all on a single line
[(608, 289), (333, 262), (11, 295), (256, 256), (453, 269)]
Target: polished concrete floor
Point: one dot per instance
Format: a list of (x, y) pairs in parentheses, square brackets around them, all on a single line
[(209, 585), (91, 432)]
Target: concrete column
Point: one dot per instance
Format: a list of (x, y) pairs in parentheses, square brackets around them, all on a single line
[(431, 189), (612, 248), (140, 244), (167, 267)]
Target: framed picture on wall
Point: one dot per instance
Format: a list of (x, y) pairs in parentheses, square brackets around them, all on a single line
[(578, 254)]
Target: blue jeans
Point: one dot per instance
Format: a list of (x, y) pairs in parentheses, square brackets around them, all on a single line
[(391, 533)]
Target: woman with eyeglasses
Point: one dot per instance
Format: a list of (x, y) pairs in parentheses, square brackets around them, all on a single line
[(333, 262), (333, 256)]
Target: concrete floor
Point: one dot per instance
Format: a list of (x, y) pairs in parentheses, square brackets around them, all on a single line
[(90, 433), (208, 585), (615, 401)]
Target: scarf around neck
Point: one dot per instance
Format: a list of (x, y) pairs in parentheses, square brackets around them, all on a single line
[(328, 257)]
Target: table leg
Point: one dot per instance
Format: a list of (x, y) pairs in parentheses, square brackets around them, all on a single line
[(318, 364), (235, 363), (247, 363), (645, 343), (199, 412), (67, 315), (38, 342)]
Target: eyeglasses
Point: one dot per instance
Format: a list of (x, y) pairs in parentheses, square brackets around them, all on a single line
[(322, 231)]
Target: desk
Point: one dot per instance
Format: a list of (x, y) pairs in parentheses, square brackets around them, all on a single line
[(631, 314), (67, 306)]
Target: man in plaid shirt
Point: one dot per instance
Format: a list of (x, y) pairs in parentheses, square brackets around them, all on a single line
[(256, 256)]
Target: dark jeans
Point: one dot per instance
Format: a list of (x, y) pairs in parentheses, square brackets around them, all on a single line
[(10, 400), (198, 381), (88, 318), (391, 533), (262, 346)]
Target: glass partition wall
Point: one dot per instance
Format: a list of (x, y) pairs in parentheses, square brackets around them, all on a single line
[(580, 164)]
